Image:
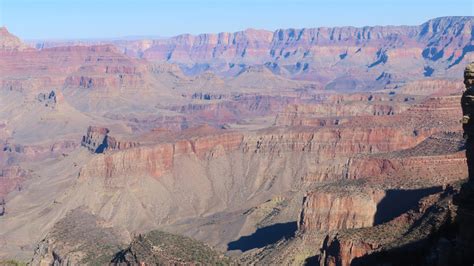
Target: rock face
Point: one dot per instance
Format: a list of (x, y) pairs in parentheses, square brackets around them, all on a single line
[(326, 211), (148, 161)]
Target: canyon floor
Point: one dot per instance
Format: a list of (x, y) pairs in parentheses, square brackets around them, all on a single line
[(338, 147)]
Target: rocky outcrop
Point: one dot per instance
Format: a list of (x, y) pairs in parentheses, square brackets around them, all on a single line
[(9, 42), (97, 140), (406, 239), (50, 99), (344, 251), (78, 238), (346, 204), (436, 161), (158, 247), (139, 161), (327, 211)]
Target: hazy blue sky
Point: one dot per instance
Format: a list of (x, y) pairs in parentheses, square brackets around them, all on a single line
[(115, 18)]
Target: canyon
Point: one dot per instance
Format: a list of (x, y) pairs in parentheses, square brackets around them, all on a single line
[(299, 146)]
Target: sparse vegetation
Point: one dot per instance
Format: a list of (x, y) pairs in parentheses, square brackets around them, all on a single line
[(12, 263), (158, 247)]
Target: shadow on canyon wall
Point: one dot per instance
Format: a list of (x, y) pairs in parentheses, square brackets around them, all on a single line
[(437, 249), (264, 236), (312, 261), (451, 244), (397, 201)]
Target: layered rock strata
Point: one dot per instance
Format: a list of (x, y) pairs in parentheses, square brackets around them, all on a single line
[(328, 211), (326, 143)]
